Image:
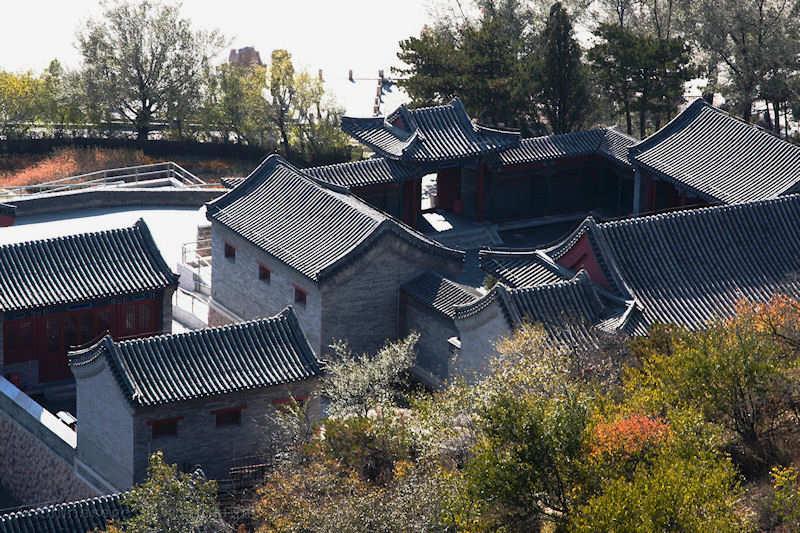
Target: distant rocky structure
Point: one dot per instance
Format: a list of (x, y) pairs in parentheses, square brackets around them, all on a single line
[(245, 57)]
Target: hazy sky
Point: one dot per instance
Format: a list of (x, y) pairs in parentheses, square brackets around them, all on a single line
[(335, 35)]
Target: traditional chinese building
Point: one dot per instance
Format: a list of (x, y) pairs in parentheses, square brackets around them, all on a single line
[(686, 268), (202, 397), (706, 156), (62, 292), (283, 238)]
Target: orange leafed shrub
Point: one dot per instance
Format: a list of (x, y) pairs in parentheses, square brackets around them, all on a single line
[(629, 436)]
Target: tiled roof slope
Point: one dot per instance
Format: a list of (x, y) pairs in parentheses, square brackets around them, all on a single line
[(567, 310), (606, 142), (570, 311), (83, 267), (373, 171), (71, 517), (720, 158), (207, 362), (440, 293), (685, 267), (689, 267), (438, 133), (522, 268), (309, 226)]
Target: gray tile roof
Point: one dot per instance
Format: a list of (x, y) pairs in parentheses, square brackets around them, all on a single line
[(522, 268), (208, 362), (429, 134), (606, 142), (684, 267), (311, 226), (439, 293), (690, 267), (231, 182), (373, 171), (83, 267), (720, 158), (71, 517), (570, 311)]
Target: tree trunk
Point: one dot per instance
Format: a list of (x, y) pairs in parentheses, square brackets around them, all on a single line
[(628, 118), (746, 109), (141, 134), (643, 116)]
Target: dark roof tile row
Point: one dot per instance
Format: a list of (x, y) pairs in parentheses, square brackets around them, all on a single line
[(440, 293), (720, 158), (71, 517), (606, 142), (79, 268), (373, 171), (208, 362)]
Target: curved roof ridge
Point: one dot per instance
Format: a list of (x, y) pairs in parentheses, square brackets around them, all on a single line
[(285, 314), (691, 111), (258, 353), (696, 212)]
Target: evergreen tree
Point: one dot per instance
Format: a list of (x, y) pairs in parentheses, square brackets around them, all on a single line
[(560, 76)]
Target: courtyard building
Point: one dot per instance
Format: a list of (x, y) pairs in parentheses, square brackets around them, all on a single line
[(203, 397), (63, 292)]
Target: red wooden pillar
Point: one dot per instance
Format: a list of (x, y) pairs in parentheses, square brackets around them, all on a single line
[(480, 200)]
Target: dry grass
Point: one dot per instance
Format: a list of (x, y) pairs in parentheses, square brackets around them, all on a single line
[(20, 170)]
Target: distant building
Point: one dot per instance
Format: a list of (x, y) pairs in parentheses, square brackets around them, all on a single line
[(63, 292), (202, 397), (244, 57)]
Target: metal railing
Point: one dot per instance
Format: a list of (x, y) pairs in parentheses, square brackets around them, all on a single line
[(197, 305), (114, 176), (196, 254)]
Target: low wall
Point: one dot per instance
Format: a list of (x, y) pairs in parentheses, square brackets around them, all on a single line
[(38, 204), (37, 452)]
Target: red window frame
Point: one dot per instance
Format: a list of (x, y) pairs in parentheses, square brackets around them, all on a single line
[(264, 274), (230, 251), (164, 427), (300, 296)]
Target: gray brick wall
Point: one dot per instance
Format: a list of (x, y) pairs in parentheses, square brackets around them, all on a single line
[(479, 335), (199, 442), (166, 310), (235, 284), (433, 351), (361, 303), (32, 473), (105, 424)]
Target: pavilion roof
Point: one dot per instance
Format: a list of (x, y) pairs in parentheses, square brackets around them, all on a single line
[(429, 134)]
